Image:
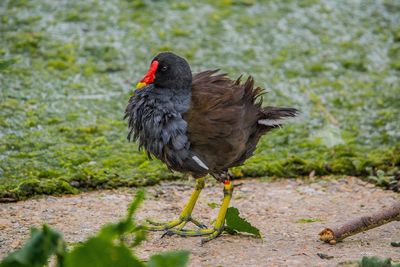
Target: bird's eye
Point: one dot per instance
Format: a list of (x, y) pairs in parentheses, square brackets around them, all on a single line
[(164, 68)]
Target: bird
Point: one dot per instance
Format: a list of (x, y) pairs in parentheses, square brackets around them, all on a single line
[(199, 124)]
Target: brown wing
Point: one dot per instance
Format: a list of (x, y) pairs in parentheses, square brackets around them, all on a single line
[(222, 119)]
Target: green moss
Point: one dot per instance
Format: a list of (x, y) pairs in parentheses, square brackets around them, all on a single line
[(28, 20), (396, 34), (307, 3), (7, 63), (75, 16), (180, 5), (58, 64), (357, 65), (27, 41), (38, 187), (395, 65), (64, 87), (316, 68), (18, 3), (178, 32)]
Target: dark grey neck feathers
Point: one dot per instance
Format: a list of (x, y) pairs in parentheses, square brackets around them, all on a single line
[(155, 121), (179, 98)]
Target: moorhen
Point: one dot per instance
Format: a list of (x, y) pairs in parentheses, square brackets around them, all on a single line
[(199, 124)]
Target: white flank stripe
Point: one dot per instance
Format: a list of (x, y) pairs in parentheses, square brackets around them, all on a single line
[(272, 122), (201, 164)]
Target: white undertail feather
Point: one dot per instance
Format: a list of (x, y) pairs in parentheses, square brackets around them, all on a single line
[(198, 161), (267, 122)]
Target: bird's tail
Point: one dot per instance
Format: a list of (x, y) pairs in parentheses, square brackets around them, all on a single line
[(275, 117)]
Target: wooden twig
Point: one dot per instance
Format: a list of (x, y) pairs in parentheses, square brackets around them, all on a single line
[(333, 235)]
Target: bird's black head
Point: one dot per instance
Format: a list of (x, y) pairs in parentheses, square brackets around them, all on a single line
[(168, 70)]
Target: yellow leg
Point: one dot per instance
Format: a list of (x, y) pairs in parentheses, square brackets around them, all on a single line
[(228, 190), (219, 223), (187, 210), (186, 214)]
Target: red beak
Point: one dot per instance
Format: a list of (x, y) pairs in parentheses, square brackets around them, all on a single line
[(149, 77)]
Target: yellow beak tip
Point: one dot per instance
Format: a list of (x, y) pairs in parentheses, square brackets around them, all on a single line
[(140, 85)]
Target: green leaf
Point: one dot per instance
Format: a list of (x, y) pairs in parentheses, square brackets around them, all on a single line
[(139, 197), (101, 252), (375, 262), (127, 225), (37, 250), (235, 223), (169, 259), (140, 235), (213, 205), (112, 230), (308, 220), (105, 249)]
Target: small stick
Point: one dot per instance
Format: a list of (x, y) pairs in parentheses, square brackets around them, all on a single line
[(355, 226)]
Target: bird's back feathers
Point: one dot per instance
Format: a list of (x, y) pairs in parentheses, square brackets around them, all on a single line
[(209, 129), (224, 119)]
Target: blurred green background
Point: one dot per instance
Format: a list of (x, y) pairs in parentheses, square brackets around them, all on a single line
[(67, 69)]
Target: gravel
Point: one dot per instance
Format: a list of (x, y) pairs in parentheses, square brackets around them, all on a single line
[(276, 208)]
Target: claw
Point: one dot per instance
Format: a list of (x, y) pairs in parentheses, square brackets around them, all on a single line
[(198, 224), (167, 233)]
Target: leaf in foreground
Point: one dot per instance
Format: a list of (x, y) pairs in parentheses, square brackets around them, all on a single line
[(41, 245), (107, 248), (169, 259), (103, 249), (377, 262), (238, 224), (100, 252)]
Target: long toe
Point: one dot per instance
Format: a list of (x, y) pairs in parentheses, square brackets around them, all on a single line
[(157, 226), (212, 236), (198, 223), (151, 222), (209, 233), (178, 223)]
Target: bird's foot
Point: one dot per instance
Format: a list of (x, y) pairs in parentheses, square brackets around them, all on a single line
[(178, 223), (210, 233)]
